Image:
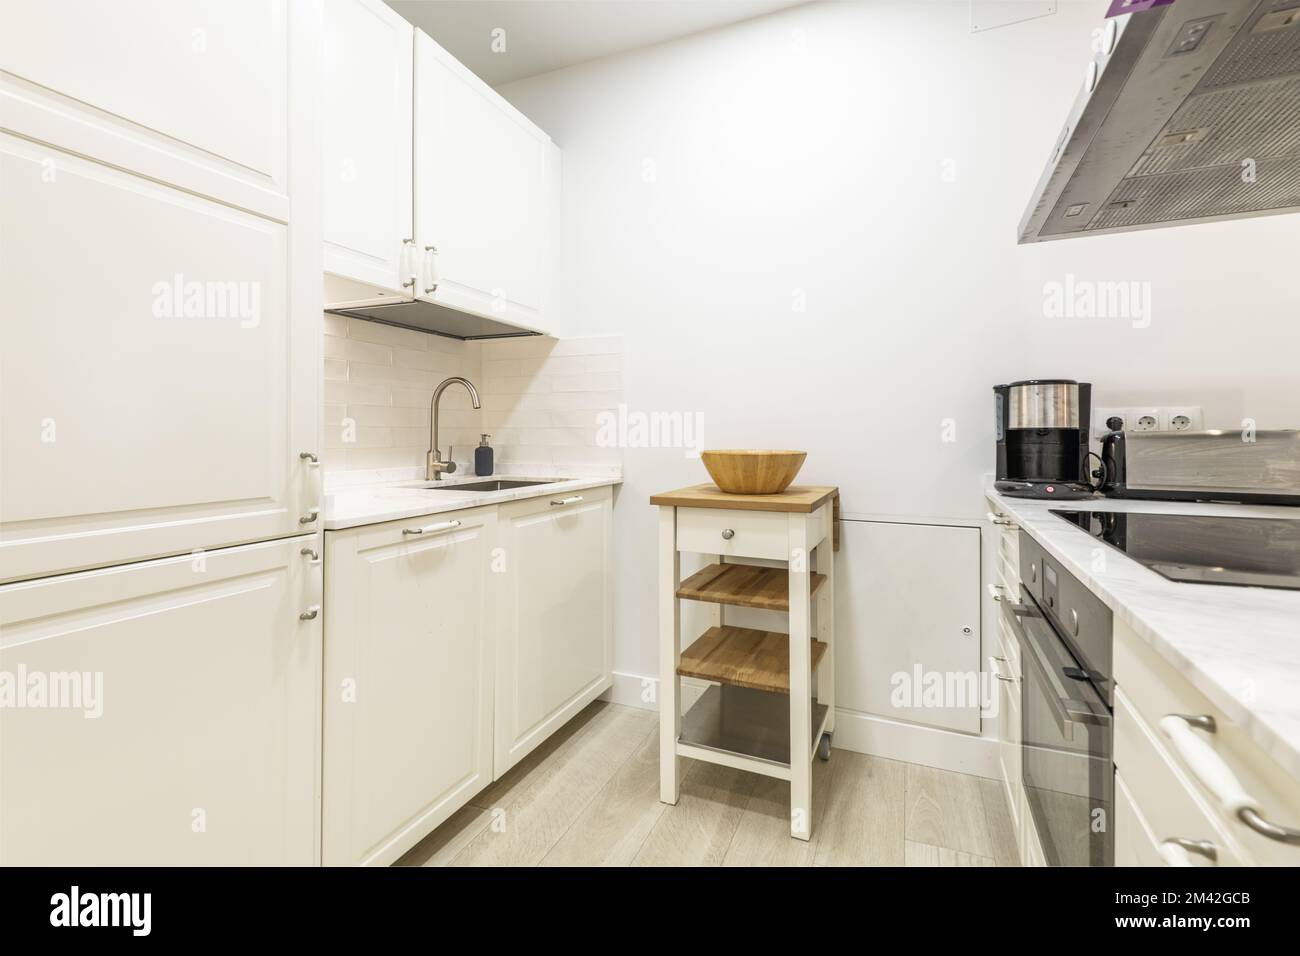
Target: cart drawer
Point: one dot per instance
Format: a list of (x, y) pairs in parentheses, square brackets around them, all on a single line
[(750, 534)]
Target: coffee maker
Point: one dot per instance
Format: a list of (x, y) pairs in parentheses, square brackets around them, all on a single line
[(1042, 435)]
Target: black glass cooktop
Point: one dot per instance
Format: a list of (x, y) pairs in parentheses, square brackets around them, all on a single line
[(1259, 552)]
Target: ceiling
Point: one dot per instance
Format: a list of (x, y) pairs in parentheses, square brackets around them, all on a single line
[(545, 35)]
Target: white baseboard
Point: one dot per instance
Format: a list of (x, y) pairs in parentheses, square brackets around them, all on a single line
[(861, 733)]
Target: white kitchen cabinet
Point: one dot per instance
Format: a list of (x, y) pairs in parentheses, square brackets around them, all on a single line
[(159, 368), (366, 129), (408, 680), (189, 92), (554, 634), (198, 741), (908, 620), (484, 185)]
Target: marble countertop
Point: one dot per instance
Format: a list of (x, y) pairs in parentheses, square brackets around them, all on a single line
[(1239, 646), (357, 505)]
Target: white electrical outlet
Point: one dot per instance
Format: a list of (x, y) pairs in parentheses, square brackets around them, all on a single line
[(1142, 420), (1101, 415), (1181, 418)]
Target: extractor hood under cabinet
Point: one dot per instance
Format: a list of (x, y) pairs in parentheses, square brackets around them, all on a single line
[(1189, 112)]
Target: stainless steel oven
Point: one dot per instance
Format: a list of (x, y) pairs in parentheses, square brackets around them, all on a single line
[(1065, 635)]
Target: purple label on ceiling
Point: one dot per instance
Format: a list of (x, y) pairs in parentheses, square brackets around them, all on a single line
[(1118, 7)]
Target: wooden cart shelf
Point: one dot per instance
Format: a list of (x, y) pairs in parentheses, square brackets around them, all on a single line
[(744, 585), (744, 657)]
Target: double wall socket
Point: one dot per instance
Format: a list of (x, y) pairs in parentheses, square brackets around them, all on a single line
[(1174, 418)]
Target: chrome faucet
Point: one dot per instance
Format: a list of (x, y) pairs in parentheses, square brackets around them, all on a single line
[(434, 466)]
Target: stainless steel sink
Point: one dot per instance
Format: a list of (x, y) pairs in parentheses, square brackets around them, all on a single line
[(491, 484)]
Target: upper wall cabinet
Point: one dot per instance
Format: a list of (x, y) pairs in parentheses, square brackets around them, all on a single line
[(187, 92), (366, 130), (483, 191)]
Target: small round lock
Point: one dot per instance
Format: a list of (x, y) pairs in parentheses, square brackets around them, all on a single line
[(966, 630), (728, 534)]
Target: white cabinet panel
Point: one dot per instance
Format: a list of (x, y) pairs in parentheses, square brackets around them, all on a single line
[(907, 592), (191, 92), (367, 126), (483, 195), (408, 681), (198, 741), (155, 385), (554, 645)]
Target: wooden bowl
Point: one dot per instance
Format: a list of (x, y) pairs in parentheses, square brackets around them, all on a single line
[(753, 471)]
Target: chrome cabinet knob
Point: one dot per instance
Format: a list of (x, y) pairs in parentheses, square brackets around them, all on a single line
[(728, 534)]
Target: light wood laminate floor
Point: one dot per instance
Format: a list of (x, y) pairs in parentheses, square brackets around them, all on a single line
[(589, 796)]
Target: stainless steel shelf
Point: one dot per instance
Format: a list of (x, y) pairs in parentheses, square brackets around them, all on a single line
[(745, 722)]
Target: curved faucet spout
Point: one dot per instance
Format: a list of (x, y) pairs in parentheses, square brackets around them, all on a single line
[(434, 466)]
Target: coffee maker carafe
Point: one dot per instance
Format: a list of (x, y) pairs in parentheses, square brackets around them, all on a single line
[(1042, 438)]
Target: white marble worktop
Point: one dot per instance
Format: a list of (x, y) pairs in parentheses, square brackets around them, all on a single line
[(350, 505), (1239, 646)]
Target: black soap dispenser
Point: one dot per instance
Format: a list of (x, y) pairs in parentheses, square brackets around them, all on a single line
[(483, 457)]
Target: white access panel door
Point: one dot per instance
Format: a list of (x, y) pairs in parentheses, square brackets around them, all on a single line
[(198, 742), (189, 92), (555, 634), (367, 126), (904, 594), (408, 681), (156, 390), (482, 194)]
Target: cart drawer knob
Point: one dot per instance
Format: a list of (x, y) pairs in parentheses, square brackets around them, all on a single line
[(728, 534)]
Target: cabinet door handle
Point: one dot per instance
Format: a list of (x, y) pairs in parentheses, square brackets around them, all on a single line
[(1177, 851), (310, 553), (572, 499), (433, 528), (311, 460), (431, 259), (728, 534), (310, 614), (310, 516), (1217, 777)]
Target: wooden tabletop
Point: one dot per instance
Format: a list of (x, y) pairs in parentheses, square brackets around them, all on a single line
[(797, 498)]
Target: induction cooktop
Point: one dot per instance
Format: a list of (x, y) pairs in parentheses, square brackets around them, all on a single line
[(1258, 552)]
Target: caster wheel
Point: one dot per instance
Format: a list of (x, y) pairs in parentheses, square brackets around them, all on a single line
[(824, 747)]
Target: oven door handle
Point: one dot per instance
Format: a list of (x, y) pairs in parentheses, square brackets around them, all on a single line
[(1068, 710)]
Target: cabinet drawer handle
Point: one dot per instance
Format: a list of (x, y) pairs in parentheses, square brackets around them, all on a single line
[(1000, 519), (1217, 777), (310, 613), (728, 534), (572, 499), (310, 516), (997, 671), (433, 528), (993, 592), (309, 553), (1176, 851)]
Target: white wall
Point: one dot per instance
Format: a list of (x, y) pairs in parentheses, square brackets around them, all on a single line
[(713, 183)]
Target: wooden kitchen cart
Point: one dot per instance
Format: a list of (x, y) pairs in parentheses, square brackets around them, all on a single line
[(759, 712)]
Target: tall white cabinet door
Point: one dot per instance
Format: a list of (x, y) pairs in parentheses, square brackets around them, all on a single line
[(408, 681), (555, 638), (367, 126), (482, 194), (180, 716), (908, 621), (156, 388), (189, 92)]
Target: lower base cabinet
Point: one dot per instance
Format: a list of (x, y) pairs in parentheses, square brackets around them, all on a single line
[(167, 712), (553, 648), (408, 680), (440, 629)]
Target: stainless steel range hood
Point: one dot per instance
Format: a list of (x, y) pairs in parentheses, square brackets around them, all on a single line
[(1189, 113), (361, 301)]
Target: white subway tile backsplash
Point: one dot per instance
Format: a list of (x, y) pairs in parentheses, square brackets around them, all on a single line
[(541, 398)]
